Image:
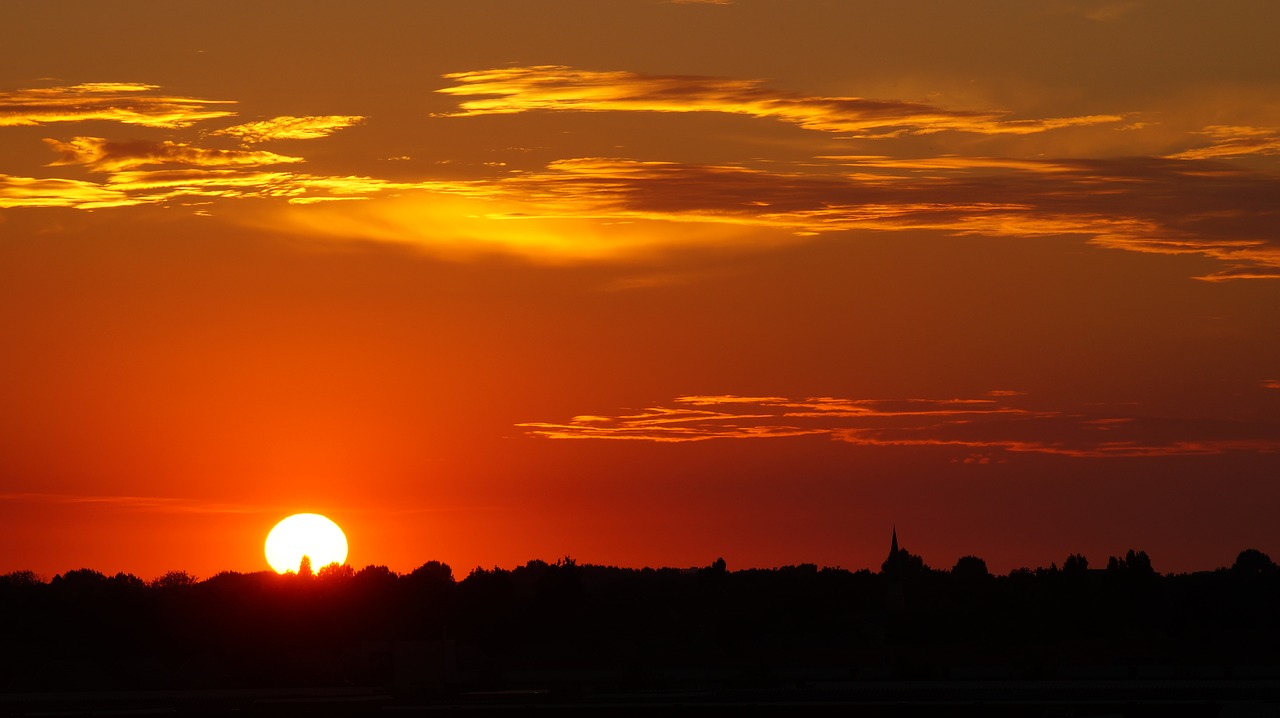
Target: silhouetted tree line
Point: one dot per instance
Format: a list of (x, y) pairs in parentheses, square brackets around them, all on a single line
[(87, 630)]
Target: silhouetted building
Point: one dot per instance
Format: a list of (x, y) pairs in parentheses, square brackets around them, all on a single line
[(901, 563), (895, 596)]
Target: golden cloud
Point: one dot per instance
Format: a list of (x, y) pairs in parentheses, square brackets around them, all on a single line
[(1153, 205), (102, 155), (668, 425), (137, 187), (161, 185), (561, 88), (946, 163), (1231, 141), (1146, 205), (290, 128), (992, 422), (296, 187), (1137, 204), (128, 103), (56, 192)]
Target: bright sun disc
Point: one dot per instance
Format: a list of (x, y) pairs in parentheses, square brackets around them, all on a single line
[(310, 535)]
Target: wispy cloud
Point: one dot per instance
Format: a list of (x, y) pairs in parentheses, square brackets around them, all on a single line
[(1137, 204), (999, 421), (561, 88), (140, 187), (668, 425), (55, 192), (290, 128), (197, 172), (953, 164), (193, 171), (146, 187), (128, 103), (1230, 141), (101, 155), (1149, 205), (1191, 203), (158, 504), (1109, 11)]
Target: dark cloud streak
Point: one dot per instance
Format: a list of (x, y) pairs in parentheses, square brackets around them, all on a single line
[(560, 88), (1152, 205), (1000, 421)]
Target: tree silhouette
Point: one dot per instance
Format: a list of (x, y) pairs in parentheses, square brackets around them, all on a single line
[(1134, 564), (173, 579), (336, 572), (1075, 565), (1139, 563), (21, 578), (903, 563), (432, 572), (304, 567), (970, 567), (376, 576), (1252, 561), (127, 580), (87, 630)]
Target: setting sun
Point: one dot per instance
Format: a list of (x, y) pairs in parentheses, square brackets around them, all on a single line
[(310, 535)]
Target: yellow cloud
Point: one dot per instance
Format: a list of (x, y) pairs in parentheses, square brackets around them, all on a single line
[(296, 187), (1142, 205), (134, 187), (160, 185), (461, 221), (129, 103), (290, 128), (102, 155), (561, 88), (37, 192), (597, 208)]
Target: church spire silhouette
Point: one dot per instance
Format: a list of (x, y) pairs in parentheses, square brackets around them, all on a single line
[(901, 561)]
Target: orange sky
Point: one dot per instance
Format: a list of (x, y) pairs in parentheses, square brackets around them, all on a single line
[(639, 282)]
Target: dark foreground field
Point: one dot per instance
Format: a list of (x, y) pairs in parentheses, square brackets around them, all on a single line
[(1012, 699), (563, 638)]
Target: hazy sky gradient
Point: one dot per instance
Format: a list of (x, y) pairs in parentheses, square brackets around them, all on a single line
[(639, 282)]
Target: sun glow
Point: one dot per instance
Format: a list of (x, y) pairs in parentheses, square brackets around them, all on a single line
[(310, 535)]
